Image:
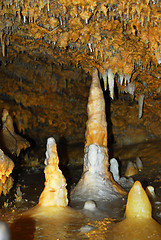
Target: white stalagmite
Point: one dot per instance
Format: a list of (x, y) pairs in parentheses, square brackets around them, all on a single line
[(139, 163), (141, 103), (114, 169), (111, 83)]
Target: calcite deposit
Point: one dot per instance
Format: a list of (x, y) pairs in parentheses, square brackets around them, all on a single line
[(6, 167), (55, 192), (139, 223), (131, 169), (48, 50), (11, 141), (96, 183), (96, 126)]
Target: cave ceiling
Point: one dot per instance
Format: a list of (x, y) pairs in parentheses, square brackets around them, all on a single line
[(49, 48)]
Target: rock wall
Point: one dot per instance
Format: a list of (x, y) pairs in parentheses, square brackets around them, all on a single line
[(48, 50)]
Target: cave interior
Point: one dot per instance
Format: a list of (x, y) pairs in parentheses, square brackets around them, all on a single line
[(48, 50)]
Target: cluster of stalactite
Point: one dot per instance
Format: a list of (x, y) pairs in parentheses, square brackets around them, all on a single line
[(118, 37)]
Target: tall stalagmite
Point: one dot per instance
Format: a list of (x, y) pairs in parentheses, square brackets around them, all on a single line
[(96, 182), (55, 192), (96, 126)]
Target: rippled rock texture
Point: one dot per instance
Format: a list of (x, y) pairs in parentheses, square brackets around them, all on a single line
[(48, 50)]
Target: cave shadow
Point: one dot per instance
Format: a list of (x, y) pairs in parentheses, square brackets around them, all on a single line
[(110, 136), (62, 151), (23, 228), (62, 148)]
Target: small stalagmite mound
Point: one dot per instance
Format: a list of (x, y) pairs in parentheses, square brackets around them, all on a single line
[(55, 192), (131, 169), (13, 142), (96, 183), (139, 223), (138, 204), (6, 167)]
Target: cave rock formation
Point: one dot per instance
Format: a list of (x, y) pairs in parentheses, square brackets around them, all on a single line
[(55, 192), (96, 183)]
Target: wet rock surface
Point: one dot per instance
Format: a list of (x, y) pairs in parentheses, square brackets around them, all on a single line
[(31, 182)]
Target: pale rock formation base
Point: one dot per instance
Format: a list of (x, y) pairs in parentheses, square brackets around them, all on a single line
[(124, 182), (96, 183)]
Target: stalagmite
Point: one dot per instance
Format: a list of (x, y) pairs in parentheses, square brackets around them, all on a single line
[(96, 182), (96, 126), (138, 204), (12, 141), (90, 205), (4, 231), (122, 181), (114, 169), (139, 223), (139, 164), (150, 192), (6, 167), (131, 169), (55, 192)]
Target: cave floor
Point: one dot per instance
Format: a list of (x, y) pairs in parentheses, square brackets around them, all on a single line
[(27, 223)]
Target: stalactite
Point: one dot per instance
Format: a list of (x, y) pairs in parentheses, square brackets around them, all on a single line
[(141, 103), (104, 76), (111, 83), (130, 88)]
